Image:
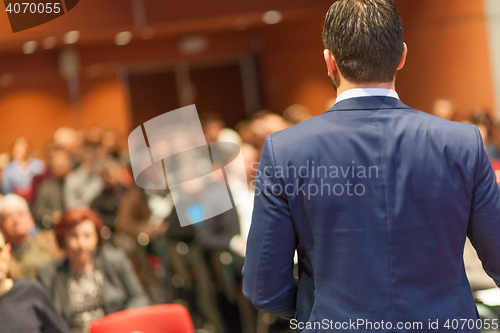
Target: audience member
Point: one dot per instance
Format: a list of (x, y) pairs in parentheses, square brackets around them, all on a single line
[(265, 123), (216, 287), (25, 305), (245, 131), (141, 226), (50, 201), (108, 202), (92, 281), (444, 108), (212, 124), (111, 147), (203, 260), (229, 135), (47, 173), (30, 249), (296, 113), (70, 140), (83, 184), (93, 136), (135, 214), (489, 132), (18, 174), (244, 209)]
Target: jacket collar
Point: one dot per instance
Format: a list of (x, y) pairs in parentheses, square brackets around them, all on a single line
[(63, 274), (369, 103)]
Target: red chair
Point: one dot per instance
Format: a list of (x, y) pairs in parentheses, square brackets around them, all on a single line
[(165, 318)]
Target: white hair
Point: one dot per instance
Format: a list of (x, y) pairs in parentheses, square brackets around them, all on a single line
[(13, 200)]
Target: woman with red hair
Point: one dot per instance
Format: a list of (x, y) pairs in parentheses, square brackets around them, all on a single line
[(93, 280)]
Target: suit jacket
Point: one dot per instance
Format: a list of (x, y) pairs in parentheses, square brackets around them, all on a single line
[(121, 289), (379, 214)]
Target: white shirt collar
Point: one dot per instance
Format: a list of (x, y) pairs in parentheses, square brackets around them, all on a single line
[(366, 92)]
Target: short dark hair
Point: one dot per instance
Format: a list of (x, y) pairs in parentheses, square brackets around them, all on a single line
[(365, 38)]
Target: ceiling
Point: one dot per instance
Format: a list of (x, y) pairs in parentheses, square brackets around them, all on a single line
[(98, 21)]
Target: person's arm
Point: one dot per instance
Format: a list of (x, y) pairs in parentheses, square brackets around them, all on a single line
[(484, 223), (268, 280)]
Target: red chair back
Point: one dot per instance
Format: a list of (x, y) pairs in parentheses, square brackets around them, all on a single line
[(165, 318)]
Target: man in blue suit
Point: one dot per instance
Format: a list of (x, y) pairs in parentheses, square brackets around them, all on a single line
[(377, 199)]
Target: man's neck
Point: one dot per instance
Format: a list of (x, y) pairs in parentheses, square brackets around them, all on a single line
[(346, 85)]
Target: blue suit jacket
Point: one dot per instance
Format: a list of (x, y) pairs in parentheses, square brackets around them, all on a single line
[(378, 200)]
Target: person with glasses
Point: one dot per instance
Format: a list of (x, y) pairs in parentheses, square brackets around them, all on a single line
[(25, 305)]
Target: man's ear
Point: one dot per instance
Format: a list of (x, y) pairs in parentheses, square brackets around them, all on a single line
[(330, 62), (403, 57)]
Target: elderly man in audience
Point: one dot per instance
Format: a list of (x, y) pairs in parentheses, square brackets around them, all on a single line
[(30, 249)]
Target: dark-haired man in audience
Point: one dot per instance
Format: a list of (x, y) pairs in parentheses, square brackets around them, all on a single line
[(30, 249), (108, 202), (50, 200)]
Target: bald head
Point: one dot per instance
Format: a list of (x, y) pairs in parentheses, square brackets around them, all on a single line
[(16, 221)]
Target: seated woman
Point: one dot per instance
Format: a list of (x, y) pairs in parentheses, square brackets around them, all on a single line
[(18, 174), (25, 305), (92, 281)]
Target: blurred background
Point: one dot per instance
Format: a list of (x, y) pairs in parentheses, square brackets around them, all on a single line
[(115, 64)]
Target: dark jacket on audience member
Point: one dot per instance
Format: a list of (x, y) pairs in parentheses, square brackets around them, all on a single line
[(50, 198), (27, 307), (121, 289), (108, 203)]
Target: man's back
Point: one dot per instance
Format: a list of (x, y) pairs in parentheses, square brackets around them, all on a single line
[(378, 199)]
